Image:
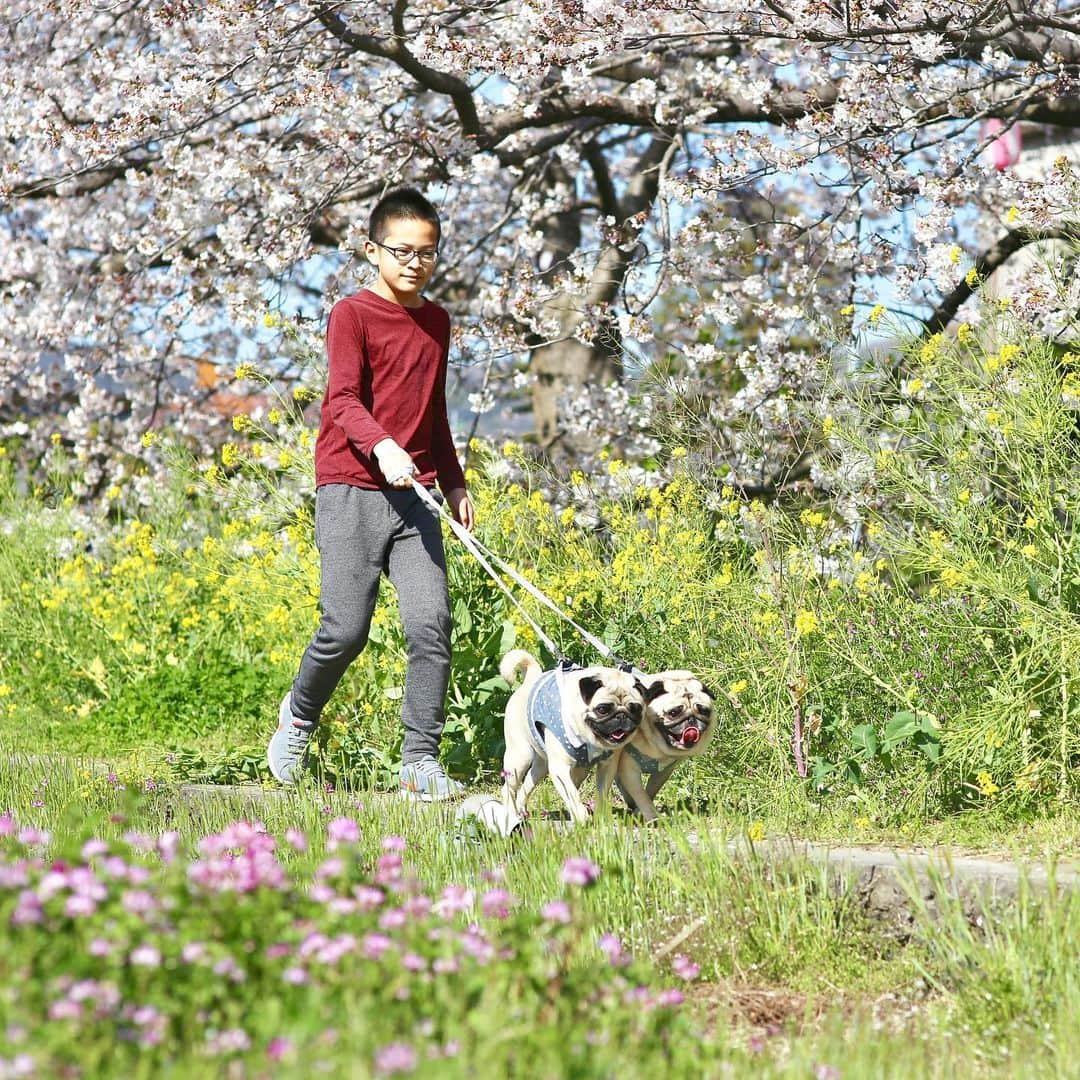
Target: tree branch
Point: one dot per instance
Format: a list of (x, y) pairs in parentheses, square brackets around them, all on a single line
[(990, 260), (459, 91)]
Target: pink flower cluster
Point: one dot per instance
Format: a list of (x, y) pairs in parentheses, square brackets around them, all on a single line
[(240, 858), (337, 927)]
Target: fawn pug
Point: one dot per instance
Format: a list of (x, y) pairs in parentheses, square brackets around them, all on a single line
[(679, 723), (565, 722)]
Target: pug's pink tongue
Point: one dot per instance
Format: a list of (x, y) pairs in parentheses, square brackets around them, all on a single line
[(690, 736)]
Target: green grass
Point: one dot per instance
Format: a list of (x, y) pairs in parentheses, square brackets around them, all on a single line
[(793, 977)]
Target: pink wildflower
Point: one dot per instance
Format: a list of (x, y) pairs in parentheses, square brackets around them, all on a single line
[(395, 1058), (278, 1048), (342, 830), (685, 968), (78, 905), (454, 900), (496, 903), (613, 949), (579, 871), (145, 956), (558, 911), (168, 845), (34, 837), (374, 945)]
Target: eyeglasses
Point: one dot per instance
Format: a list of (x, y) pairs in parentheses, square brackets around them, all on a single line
[(405, 255)]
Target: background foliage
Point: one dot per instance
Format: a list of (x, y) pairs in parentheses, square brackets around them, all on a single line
[(918, 657)]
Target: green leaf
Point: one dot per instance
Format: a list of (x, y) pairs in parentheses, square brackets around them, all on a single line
[(900, 728), (462, 617), (864, 739), (853, 771), (929, 746)]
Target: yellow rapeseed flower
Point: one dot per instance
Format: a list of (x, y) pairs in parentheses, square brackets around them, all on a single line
[(951, 577), (848, 310), (930, 348), (756, 832), (149, 438), (229, 455), (875, 314), (972, 278), (241, 422), (964, 333), (987, 787), (806, 623)]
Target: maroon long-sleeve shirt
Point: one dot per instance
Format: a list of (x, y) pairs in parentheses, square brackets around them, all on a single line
[(387, 379)]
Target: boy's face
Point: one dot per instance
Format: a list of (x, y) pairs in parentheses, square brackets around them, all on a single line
[(405, 279)]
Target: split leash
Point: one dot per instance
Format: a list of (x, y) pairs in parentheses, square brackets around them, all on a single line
[(485, 557)]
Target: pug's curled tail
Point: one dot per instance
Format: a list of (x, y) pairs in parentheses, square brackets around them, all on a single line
[(516, 661)]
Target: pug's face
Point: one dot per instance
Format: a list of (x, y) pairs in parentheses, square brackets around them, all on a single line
[(681, 709), (613, 705)]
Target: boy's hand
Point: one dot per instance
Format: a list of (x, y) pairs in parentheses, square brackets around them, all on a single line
[(395, 463), (461, 507)]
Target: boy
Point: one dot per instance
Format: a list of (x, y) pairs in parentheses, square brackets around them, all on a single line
[(383, 422)]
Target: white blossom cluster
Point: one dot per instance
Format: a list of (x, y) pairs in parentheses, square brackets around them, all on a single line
[(627, 189)]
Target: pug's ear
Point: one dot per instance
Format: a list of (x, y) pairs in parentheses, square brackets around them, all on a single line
[(654, 690), (708, 692), (588, 687)]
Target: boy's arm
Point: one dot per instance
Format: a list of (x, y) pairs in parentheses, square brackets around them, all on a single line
[(345, 365)]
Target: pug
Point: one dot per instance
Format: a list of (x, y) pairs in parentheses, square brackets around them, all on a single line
[(565, 722), (679, 723)]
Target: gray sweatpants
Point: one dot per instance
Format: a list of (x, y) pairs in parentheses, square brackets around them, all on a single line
[(361, 535)]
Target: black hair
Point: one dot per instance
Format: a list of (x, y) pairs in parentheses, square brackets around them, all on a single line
[(401, 203)]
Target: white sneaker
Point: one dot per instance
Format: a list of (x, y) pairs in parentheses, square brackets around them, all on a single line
[(288, 747)]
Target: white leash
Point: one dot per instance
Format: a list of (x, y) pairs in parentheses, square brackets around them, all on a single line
[(472, 544), (479, 551)]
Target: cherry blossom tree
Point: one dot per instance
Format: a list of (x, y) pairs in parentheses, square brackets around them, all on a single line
[(694, 189)]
